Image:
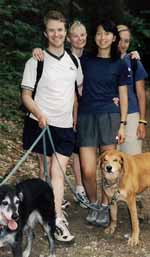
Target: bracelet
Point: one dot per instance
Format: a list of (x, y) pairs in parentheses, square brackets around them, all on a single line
[(123, 122), (143, 122)]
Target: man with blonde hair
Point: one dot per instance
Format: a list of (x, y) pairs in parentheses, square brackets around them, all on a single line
[(53, 106)]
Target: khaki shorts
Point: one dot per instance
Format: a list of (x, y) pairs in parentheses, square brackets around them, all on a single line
[(132, 144), (95, 130)]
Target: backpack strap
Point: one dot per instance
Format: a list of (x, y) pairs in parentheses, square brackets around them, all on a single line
[(133, 68), (73, 58), (39, 71), (75, 61)]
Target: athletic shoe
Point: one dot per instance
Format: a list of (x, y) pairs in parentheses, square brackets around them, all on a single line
[(65, 204), (62, 233), (103, 217), (81, 195), (92, 214), (64, 218)]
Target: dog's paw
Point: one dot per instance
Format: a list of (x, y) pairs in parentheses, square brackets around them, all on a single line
[(133, 241), (110, 230)]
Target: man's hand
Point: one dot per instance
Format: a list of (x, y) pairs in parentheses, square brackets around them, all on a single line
[(42, 120)]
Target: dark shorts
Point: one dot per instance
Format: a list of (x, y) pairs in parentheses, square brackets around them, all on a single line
[(63, 138), (76, 145), (97, 130)]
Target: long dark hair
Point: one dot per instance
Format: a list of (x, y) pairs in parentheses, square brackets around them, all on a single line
[(110, 26)]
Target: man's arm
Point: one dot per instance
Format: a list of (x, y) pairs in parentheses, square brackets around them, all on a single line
[(33, 108)]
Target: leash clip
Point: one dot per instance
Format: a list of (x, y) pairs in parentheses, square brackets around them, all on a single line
[(115, 197)]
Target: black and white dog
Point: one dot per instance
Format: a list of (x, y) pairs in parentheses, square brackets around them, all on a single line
[(21, 208)]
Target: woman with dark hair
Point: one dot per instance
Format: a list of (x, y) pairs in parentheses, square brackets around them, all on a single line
[(101, 121)]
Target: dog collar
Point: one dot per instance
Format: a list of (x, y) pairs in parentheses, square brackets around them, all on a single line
[(107, 184)]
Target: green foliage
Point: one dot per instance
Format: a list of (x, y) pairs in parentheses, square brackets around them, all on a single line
[(10, 102), (140, 30), (20, 32), (21, 27)]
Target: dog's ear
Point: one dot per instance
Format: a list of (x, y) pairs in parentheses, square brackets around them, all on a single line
[(101, 158), (20, 195), (124, 161)]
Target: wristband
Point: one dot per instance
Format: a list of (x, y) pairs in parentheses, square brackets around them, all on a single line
[(123, 122), (143, 122)]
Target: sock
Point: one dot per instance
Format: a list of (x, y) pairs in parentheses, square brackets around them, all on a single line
[(80, 188), (104, 205)]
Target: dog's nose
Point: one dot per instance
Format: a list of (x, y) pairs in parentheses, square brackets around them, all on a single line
[(15, 216), (109, 168)]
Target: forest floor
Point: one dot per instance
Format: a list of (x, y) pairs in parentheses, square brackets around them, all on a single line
[(89, 240)]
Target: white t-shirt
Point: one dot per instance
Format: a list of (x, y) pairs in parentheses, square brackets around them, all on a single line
[(56, 87)]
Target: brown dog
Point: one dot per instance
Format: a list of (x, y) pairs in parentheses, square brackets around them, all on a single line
[(123, 177)]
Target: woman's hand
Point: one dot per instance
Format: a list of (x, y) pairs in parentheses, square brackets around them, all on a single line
[(121, 134), (135, 55), (38, 54), (141, 131)]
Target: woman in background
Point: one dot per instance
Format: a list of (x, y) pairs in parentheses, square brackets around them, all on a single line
[(135, 129)]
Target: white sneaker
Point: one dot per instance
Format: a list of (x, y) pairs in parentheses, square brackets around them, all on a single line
[(81, 194), (65, 204), (64, 219), (62, 233)]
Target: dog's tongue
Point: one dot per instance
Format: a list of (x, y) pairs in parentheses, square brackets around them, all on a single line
[(12, 225)]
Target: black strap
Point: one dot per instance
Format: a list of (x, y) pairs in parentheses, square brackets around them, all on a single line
[(133, 68), (39, 71), (74, 59), (39, 74), (77, 91)]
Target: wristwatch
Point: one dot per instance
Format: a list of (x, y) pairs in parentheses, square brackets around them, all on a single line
[(123, 122)]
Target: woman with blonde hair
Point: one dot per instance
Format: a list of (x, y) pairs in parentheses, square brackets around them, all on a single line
[(135, 129)]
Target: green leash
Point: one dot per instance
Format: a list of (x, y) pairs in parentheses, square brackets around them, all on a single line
[(65, 177), (42, 134), (46, 172), (23, 157)]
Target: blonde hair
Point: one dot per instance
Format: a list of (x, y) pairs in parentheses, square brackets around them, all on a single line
[(74, 25), (54, 15), (122, 27)]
